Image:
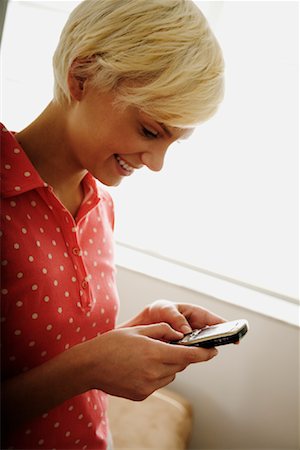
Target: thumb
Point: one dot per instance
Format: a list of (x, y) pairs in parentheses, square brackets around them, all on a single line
[(161, 331)]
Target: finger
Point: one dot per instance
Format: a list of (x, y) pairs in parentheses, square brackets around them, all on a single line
[(160, 331), (199, 317), (184, 355), (177, 320)]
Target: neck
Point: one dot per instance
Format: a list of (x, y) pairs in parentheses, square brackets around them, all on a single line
[(46, 144)]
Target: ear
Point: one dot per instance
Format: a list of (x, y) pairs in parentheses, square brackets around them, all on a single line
[(76, 85)]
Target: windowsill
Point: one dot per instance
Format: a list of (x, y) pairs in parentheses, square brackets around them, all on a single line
[(155, 267)]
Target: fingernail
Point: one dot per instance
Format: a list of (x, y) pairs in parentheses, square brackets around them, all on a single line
[(186, 329)]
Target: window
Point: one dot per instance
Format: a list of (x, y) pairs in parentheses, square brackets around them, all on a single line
[(227, 199)]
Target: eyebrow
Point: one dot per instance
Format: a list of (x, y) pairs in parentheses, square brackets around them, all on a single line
[(166, 130)]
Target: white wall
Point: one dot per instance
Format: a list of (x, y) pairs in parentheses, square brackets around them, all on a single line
[(247, 397)]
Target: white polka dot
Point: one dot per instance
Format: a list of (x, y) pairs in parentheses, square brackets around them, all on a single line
[(66, 255), (4, 262), (74, 279), (55, 282), (44, 416), (4, 291), (56, 425), (94, 324), (67, 346), (49, 255), (95, 407), (34, 316), (13, 204), (44, 353), (98, 287), (58, 229), (19, 304), (30, 258), (44, 270), (102, 274), (77, 329), (107, 321), (71, 408), (16, 246), (61, 268), (38, 243), (17, 188), (41, 441), (18, 332), (58, 337), (59, 309), (20, 275), (104, 240), (46, 298), (7, 217), (90, 424), (24, 230), (33, 203), (34, 287), (95, 230), (107, 297), (17, 151), (7, 166), (54, 243), (28, 216), (102, 310), (27, 174), (31, 344), (42, 230), (83, 339), (80, 416), (91, 241), (49, 327), (46, 217), (95, 264), (67, 294), (77, 441), (68, 433), (99, 252)]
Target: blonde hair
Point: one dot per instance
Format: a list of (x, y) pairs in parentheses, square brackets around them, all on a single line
[(159, 55)]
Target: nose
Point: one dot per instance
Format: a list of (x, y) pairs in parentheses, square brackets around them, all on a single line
[(154, 159)]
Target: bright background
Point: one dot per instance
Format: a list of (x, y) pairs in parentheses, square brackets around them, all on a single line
[(227, 200)]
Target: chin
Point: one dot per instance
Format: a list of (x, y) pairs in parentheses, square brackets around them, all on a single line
[(110, 182)]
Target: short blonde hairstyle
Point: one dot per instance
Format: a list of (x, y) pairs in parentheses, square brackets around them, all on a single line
[(159, 55)]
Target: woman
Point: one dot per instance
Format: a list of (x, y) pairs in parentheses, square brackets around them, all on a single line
[(131, 77)]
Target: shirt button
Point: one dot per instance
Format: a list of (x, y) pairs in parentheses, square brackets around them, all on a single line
[(76, 251), (84, 284)]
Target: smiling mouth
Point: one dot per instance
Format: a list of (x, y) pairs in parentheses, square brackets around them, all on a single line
[(124, 165)]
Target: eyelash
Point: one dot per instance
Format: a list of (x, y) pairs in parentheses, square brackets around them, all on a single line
[(149, 134)]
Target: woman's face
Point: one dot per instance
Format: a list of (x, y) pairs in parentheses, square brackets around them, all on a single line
[(111, 143)]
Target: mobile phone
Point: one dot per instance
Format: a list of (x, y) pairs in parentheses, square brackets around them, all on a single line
[(212, 336)]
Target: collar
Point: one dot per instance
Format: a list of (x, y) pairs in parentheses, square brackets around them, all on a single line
[(18, 175)]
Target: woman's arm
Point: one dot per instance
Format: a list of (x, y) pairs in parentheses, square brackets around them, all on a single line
[(130, 362)]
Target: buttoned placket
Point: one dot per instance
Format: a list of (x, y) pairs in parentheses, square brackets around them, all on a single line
[(70, 230)]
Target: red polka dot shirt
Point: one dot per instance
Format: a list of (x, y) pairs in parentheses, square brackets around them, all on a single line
[(58, 290)]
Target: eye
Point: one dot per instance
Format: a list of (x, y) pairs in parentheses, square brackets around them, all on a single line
[(150, 134)]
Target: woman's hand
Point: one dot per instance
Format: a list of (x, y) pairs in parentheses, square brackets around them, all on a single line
[(134, 362), (180, 316)]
